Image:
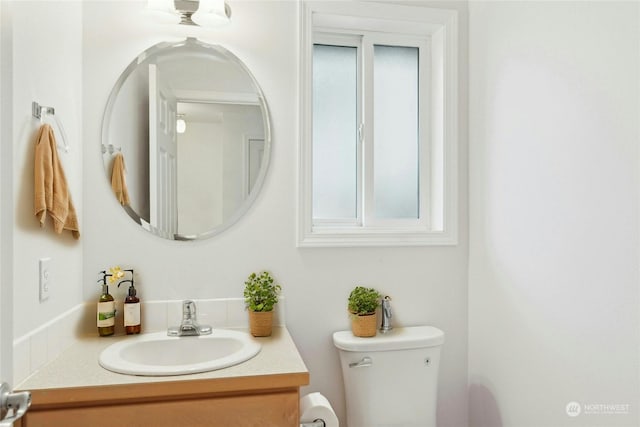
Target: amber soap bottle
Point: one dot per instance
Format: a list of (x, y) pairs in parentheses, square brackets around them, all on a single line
[(131, 308)]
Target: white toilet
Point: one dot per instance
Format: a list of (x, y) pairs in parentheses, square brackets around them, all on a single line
[(391, 380)]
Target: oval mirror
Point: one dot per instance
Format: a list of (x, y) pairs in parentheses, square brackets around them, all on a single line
[(190, 125)]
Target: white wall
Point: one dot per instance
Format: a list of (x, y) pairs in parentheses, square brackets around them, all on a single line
[(553, 275), (6, 223), (46, 66), (429, 285)]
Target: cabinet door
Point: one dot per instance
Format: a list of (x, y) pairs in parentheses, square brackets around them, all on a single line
[(256, 410)]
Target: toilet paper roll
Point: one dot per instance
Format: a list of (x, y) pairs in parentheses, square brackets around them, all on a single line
[(315, 406)]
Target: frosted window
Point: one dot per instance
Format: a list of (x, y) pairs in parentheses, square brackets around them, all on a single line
[(396, 138), (334, 132)]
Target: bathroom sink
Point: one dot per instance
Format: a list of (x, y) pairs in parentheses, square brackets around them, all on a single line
[(157, 354)]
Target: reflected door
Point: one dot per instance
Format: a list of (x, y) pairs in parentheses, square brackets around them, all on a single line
[(162, 156)]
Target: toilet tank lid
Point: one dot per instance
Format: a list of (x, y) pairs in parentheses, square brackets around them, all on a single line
[(397, 339)]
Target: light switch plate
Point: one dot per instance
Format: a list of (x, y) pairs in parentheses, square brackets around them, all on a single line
[(45, 278)]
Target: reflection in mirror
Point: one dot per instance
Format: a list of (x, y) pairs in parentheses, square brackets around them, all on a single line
[(195, 179), (216, 148)]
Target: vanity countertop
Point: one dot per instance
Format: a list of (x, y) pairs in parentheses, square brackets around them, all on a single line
[(278, 363)]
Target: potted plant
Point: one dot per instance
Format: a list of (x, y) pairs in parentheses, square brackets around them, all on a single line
[(260, 295), (362, 308)]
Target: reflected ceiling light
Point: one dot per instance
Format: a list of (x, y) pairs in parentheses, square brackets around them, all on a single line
[(181, 125), (205, 13)]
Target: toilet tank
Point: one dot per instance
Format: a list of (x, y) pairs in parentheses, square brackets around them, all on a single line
[(391, 380)]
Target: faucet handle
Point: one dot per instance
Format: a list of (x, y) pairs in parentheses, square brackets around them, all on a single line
[(189, 325), (386, 306), (188, 309), (386, 314)]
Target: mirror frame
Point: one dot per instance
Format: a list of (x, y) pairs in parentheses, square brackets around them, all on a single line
[(108, 147)]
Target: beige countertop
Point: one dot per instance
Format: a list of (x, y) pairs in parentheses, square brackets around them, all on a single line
[(78, 366)]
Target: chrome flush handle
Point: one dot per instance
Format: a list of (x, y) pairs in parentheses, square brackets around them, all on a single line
[(362, 363)]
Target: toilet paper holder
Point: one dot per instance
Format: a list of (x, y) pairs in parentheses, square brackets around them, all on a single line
[(316, 411)]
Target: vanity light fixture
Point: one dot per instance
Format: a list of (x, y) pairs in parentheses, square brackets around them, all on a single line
[(181, 124), (204, 13)]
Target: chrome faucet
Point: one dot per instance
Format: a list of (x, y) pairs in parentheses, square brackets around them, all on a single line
[(386, 315), (189, 325)]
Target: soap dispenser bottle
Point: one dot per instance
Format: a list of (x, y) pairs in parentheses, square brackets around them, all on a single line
[(106, 309), (131, 308)]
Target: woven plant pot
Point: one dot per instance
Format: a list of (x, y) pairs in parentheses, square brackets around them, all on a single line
[(260, 323), (364, 325)]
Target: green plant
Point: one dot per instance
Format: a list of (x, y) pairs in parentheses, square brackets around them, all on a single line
[(363, 300), (260, 293)]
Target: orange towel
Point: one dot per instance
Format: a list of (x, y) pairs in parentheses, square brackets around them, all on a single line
[(51, 192), (118, 182)]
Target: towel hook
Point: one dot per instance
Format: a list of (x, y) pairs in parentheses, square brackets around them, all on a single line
[(111, 149), (39, 111)]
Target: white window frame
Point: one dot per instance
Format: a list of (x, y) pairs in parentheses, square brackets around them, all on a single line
[(438, 220)]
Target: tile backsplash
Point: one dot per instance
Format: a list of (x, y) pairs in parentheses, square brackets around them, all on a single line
[(44, 344)]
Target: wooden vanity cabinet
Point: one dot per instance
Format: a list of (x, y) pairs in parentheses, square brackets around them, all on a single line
[(252, 401)]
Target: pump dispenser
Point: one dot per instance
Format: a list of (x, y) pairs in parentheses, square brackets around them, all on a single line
[(131, 308), (106, 313)]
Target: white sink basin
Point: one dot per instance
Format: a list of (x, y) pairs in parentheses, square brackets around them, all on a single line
[(158, 354)]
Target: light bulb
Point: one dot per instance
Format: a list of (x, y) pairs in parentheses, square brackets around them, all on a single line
[(181, 126), (211, 13)]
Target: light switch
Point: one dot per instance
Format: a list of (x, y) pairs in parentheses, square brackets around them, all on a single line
[(45, 278)]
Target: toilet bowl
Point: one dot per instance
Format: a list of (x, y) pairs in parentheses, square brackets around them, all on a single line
[(391, 380)]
